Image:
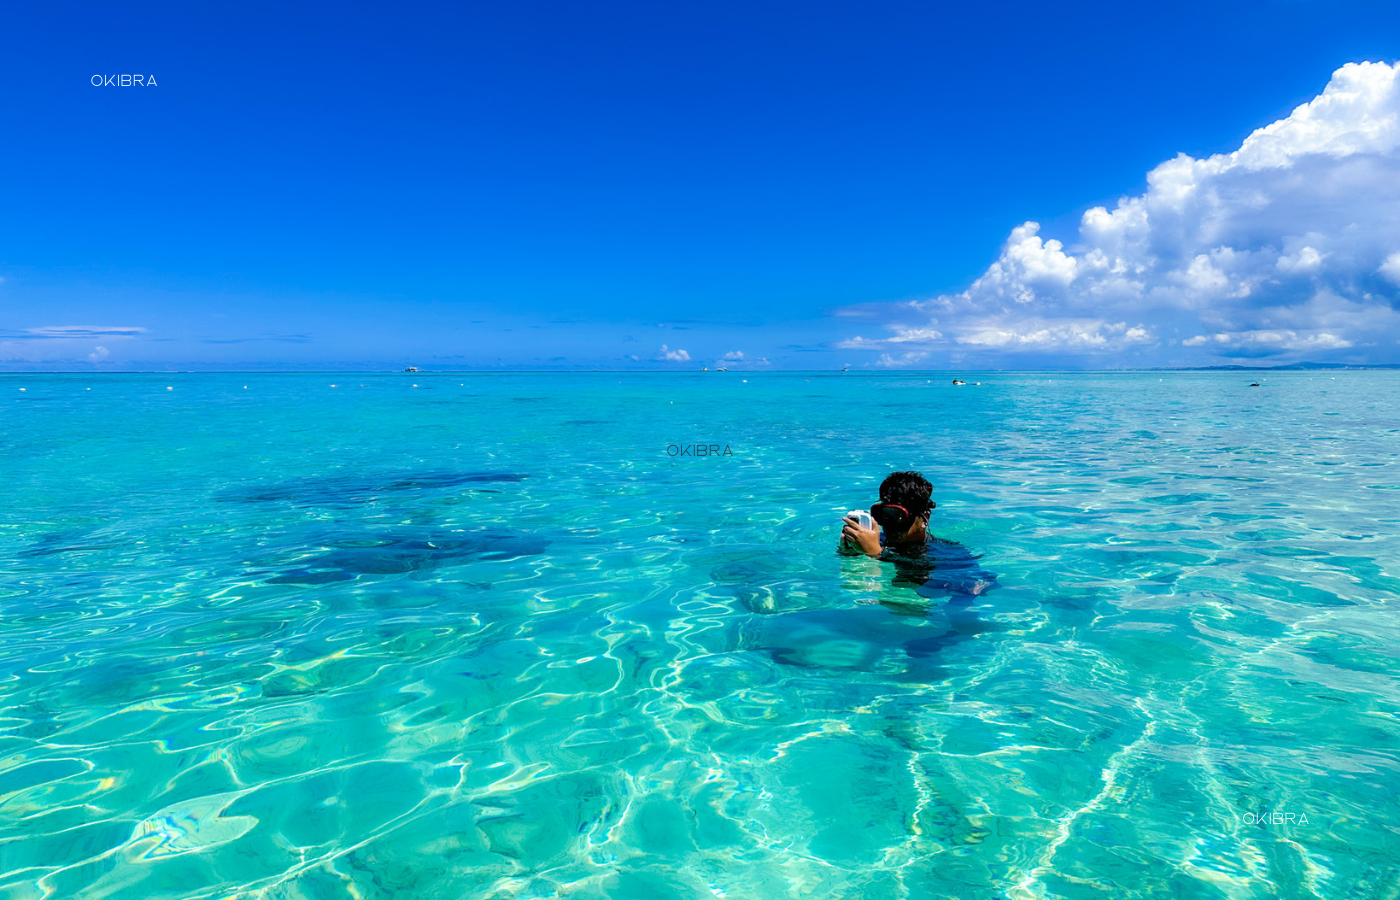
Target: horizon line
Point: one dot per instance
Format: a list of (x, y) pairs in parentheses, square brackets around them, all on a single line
[(1304, 366)]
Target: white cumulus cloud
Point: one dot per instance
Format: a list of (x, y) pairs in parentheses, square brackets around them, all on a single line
[(1391, 267), (901, 335), (665, 354), (1287, 247), (912, 358)]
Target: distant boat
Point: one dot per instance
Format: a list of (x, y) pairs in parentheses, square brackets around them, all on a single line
[(721, 369), (411, 369)]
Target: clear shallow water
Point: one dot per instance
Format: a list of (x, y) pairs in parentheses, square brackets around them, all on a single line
[(481, 636)]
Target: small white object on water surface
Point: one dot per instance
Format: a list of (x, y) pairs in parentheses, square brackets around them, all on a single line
[(170, 389), (24, 389)]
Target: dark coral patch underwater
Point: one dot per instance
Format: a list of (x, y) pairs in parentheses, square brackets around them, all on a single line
[(396, 554), (341, 490)]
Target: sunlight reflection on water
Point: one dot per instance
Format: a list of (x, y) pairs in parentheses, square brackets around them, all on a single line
[(485, 637)]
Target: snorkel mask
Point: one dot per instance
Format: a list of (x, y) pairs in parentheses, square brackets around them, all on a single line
[(893, 518)]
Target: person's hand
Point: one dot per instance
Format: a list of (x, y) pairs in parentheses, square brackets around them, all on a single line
[(867, 539)]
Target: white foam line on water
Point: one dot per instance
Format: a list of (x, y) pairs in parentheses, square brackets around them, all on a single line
[(1024, 888)]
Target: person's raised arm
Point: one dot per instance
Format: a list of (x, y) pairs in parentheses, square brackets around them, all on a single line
[(867, 540)]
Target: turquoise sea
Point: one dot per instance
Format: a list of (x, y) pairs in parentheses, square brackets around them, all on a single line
[(456, 636)]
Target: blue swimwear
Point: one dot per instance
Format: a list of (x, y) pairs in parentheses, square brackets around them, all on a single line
[(938, 567)]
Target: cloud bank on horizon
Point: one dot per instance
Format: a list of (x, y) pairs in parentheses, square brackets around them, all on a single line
[(1286, 249)]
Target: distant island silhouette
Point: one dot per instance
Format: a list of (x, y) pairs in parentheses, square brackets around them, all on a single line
[(1300, 366)]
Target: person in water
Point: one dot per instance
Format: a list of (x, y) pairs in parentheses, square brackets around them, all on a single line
[(901, 536)]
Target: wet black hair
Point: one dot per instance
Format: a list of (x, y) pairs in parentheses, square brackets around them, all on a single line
[(910, 490)]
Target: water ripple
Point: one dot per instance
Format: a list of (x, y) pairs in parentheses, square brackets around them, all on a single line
[(355, 651)]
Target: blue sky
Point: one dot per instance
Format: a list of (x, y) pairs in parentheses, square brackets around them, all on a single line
[(641, 185)]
